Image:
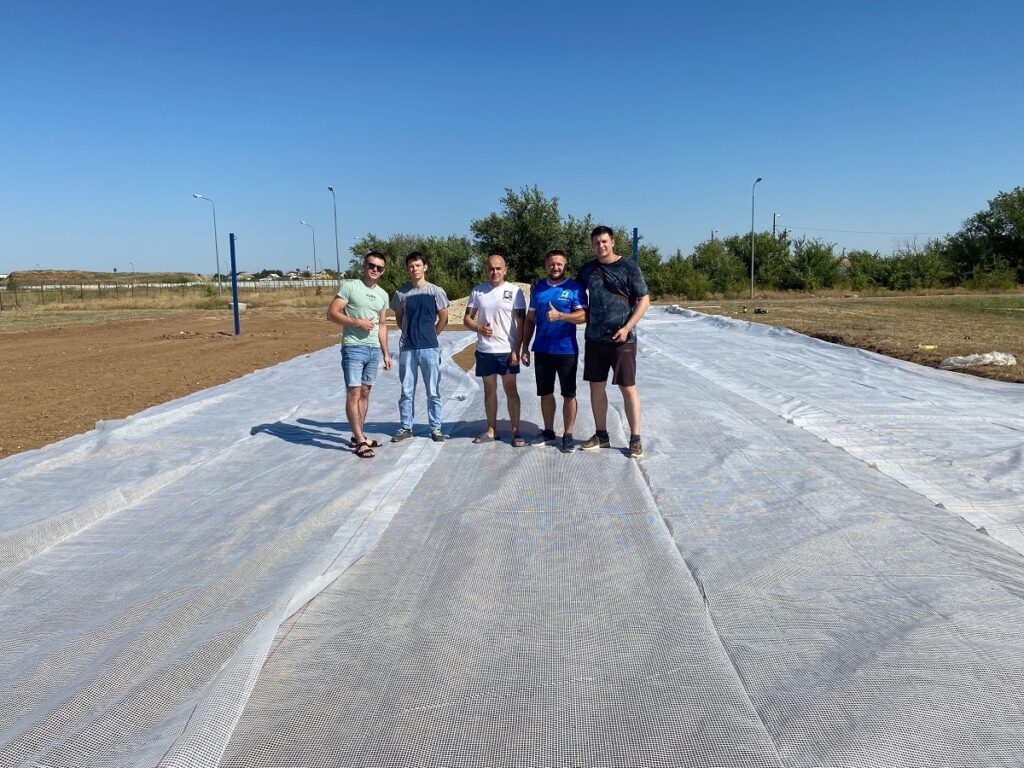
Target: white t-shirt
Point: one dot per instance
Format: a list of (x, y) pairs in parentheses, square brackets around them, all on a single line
[(497, 306)]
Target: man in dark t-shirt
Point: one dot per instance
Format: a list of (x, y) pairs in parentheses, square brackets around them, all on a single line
[(617, 297)]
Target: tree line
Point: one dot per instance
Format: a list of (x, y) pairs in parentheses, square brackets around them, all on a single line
[(987, 253)]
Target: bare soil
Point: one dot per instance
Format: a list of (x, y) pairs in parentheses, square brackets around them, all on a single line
[(58, 382)]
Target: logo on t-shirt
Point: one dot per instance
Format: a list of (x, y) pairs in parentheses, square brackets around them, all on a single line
[(507, 295), (565, 295)]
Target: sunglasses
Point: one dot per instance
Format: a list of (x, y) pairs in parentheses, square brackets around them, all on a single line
[(375, 267)]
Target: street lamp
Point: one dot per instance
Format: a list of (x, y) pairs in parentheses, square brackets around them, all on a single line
[(216, 247), (314, 246), (337, 256), (713, 233), (752, 186)]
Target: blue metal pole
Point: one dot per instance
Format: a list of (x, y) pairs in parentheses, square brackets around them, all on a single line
[(234, 282), (636, 245)]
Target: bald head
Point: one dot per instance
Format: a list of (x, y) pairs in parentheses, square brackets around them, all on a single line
[(496, 269)]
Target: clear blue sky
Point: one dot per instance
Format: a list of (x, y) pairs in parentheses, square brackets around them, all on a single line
[(894, 117)]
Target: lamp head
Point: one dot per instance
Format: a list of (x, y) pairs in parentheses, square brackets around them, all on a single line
[(758, 179), (330, 188)]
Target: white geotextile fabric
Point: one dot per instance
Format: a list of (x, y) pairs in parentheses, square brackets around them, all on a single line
[(146, 566), (147, 569), (955, 439)]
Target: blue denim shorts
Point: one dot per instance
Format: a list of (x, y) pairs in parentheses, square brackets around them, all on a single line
[(360, 364), (490, 363)]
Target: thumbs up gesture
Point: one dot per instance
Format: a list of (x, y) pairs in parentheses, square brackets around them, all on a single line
[(553, 314)]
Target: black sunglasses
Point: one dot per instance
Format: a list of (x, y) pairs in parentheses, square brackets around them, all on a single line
[(374, 267)]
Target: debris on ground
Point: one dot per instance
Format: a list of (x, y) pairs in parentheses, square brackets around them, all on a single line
[(989, 358)]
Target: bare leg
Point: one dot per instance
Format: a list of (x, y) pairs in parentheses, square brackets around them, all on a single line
[(599, 404), (364, 405), (508, 381), (547, 410), (631, 401), (354, 412), (491, 403), (568, 413)]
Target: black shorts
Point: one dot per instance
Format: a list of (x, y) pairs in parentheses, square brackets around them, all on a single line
[(620, 358), (547, 365)]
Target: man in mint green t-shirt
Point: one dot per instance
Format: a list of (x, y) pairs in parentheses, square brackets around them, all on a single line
[(360, 308)]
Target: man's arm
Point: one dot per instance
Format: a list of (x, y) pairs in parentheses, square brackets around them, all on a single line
[(382, 336), (642, 305), (469, 320), (519, 318), (576, 317), (529, 323), (442, 320), (336, 314)]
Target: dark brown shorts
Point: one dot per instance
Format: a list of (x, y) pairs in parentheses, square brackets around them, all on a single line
[(599, 356)]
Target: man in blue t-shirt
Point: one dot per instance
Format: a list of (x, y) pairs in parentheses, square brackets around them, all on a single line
[(557, 306), (421, 310)]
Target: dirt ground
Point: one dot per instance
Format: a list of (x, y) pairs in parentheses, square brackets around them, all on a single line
[(59, 381)]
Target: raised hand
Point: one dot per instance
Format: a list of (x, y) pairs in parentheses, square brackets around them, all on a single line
[(553, 314)]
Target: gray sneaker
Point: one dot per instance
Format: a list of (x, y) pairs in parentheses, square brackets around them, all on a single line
[(437, 436), (568, 444), (401, 434), (544, 437)]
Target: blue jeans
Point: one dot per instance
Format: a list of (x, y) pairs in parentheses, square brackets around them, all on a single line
[(360, 364), (411, 363)]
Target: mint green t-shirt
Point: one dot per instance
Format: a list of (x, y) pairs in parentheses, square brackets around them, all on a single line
[(362, 302)]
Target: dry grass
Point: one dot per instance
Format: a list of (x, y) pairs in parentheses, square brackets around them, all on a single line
[(905, 327)]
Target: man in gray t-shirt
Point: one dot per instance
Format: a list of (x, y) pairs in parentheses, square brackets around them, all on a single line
[(421, 309)]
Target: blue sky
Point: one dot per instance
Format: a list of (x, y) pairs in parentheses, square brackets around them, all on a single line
[(894, 117)]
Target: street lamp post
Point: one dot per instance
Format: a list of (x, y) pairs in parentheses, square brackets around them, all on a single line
[(752, 186), (314, 246), (774, 217), (713, 233), (216, 247), (337, 253)]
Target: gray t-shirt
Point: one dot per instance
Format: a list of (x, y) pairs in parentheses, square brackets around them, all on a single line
[(419, 308), (613, 291)]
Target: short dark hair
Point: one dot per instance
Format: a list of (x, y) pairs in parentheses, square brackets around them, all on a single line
[(602, 230), (555, 252), (416, 256), (375, 254)]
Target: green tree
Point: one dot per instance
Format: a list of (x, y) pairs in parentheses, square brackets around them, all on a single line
[(990, 241), (863, 269), (451, 260), (717, 260), (528, 226), (681, 278), (814, 264)]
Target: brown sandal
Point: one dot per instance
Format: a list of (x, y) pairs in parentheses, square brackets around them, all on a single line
[(364, 451)]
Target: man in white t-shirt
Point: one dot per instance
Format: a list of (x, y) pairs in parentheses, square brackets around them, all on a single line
[(496, 311)]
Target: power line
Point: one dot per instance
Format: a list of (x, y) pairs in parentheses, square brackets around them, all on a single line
[(860, 231)]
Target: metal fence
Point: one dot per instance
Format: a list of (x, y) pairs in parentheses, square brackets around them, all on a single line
[(65, 293)]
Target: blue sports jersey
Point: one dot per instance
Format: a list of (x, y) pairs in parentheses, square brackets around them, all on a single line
[(558, 338)]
